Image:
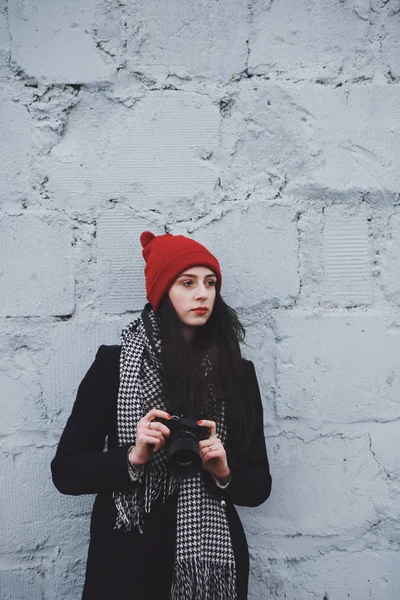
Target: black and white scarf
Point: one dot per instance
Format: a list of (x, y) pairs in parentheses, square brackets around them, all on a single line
[(204, 561)]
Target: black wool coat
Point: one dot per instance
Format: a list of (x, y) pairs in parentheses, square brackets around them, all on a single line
[(129, 565)]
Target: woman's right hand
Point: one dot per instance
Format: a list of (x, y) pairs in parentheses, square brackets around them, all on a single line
[(150, 437)]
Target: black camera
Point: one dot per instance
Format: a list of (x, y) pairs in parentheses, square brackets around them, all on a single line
[(183, 450)]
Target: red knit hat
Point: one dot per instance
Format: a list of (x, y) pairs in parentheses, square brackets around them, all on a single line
[(166, 257)]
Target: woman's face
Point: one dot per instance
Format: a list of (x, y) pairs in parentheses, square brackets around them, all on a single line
[(194, 289)]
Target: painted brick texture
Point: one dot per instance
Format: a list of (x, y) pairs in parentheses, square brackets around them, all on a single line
[(270, 132)]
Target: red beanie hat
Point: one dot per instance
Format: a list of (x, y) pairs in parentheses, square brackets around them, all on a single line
[(166, 257)]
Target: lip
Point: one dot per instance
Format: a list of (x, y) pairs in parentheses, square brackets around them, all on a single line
[(201, 310)]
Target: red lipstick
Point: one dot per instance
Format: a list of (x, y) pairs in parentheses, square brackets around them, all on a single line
[(201, 310)]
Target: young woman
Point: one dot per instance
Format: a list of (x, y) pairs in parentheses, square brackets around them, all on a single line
[(158, 533)]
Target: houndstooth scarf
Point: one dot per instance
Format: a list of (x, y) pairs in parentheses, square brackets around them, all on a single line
[(204, 561)]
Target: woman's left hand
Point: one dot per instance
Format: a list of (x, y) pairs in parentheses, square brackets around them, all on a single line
[(213, 454)]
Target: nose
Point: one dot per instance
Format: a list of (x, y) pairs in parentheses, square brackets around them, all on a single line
[(201, 292)]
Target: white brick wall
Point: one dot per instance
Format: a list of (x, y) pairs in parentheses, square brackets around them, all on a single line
[(35, 258), (307, 475), (388, 261), (121, 285), (72, 347), (332, 368), (199, 39), (269, 131), (259, 238), (15, 144), (57, 42), (314, 40), (142, 155)]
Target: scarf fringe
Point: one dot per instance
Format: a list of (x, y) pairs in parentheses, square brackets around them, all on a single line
[(203, 580), (133, 506)]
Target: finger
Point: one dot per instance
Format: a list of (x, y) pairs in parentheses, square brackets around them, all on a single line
[(146, 435), (156, 426), (211, 441), (159, 445), (151, 441), (212, 454), (213, 448), (211, 424), (148, 423), (156, 413), (154, 445)]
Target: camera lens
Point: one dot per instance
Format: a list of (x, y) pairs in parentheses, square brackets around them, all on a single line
[(184, 455)]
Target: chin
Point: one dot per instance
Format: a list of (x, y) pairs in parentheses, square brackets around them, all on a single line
[(197, 320)]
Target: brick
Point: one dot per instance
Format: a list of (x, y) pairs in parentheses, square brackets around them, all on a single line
[(390, 51), (15, 145), (144, 156), (324, 487), (189, 39), (308, 139), (35, 258), (265, 237), (121, 281), (72, 349), (346, 257), (388, 260), (20, 400), (22, 356), (21, 583), (310, 226), (29, 501), (69, 575), (332, 368), (46, 573), (328, 574), (67, 31), (309, 40), (266, 577), (259, 347), (4, 35), (355, 133), (270, 143), (338, 575)]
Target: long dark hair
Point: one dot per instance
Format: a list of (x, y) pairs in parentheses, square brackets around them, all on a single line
[(185, 382)]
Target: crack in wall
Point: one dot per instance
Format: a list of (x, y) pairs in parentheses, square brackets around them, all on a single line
[(381, 467), (299, 262)]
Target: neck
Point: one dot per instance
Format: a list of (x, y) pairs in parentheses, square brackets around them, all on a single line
[(188, 333)]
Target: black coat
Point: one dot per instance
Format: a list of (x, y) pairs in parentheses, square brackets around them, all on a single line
[(131, 565)]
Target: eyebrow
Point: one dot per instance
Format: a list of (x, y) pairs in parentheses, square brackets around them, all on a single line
[(193, 275)]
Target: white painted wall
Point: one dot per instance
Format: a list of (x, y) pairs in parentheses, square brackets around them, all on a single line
[(270, 131)]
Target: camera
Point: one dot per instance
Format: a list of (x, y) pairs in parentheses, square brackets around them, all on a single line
[(182, 447)]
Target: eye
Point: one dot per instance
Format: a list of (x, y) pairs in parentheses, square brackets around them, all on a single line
[(187, 283), (211, 282)]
